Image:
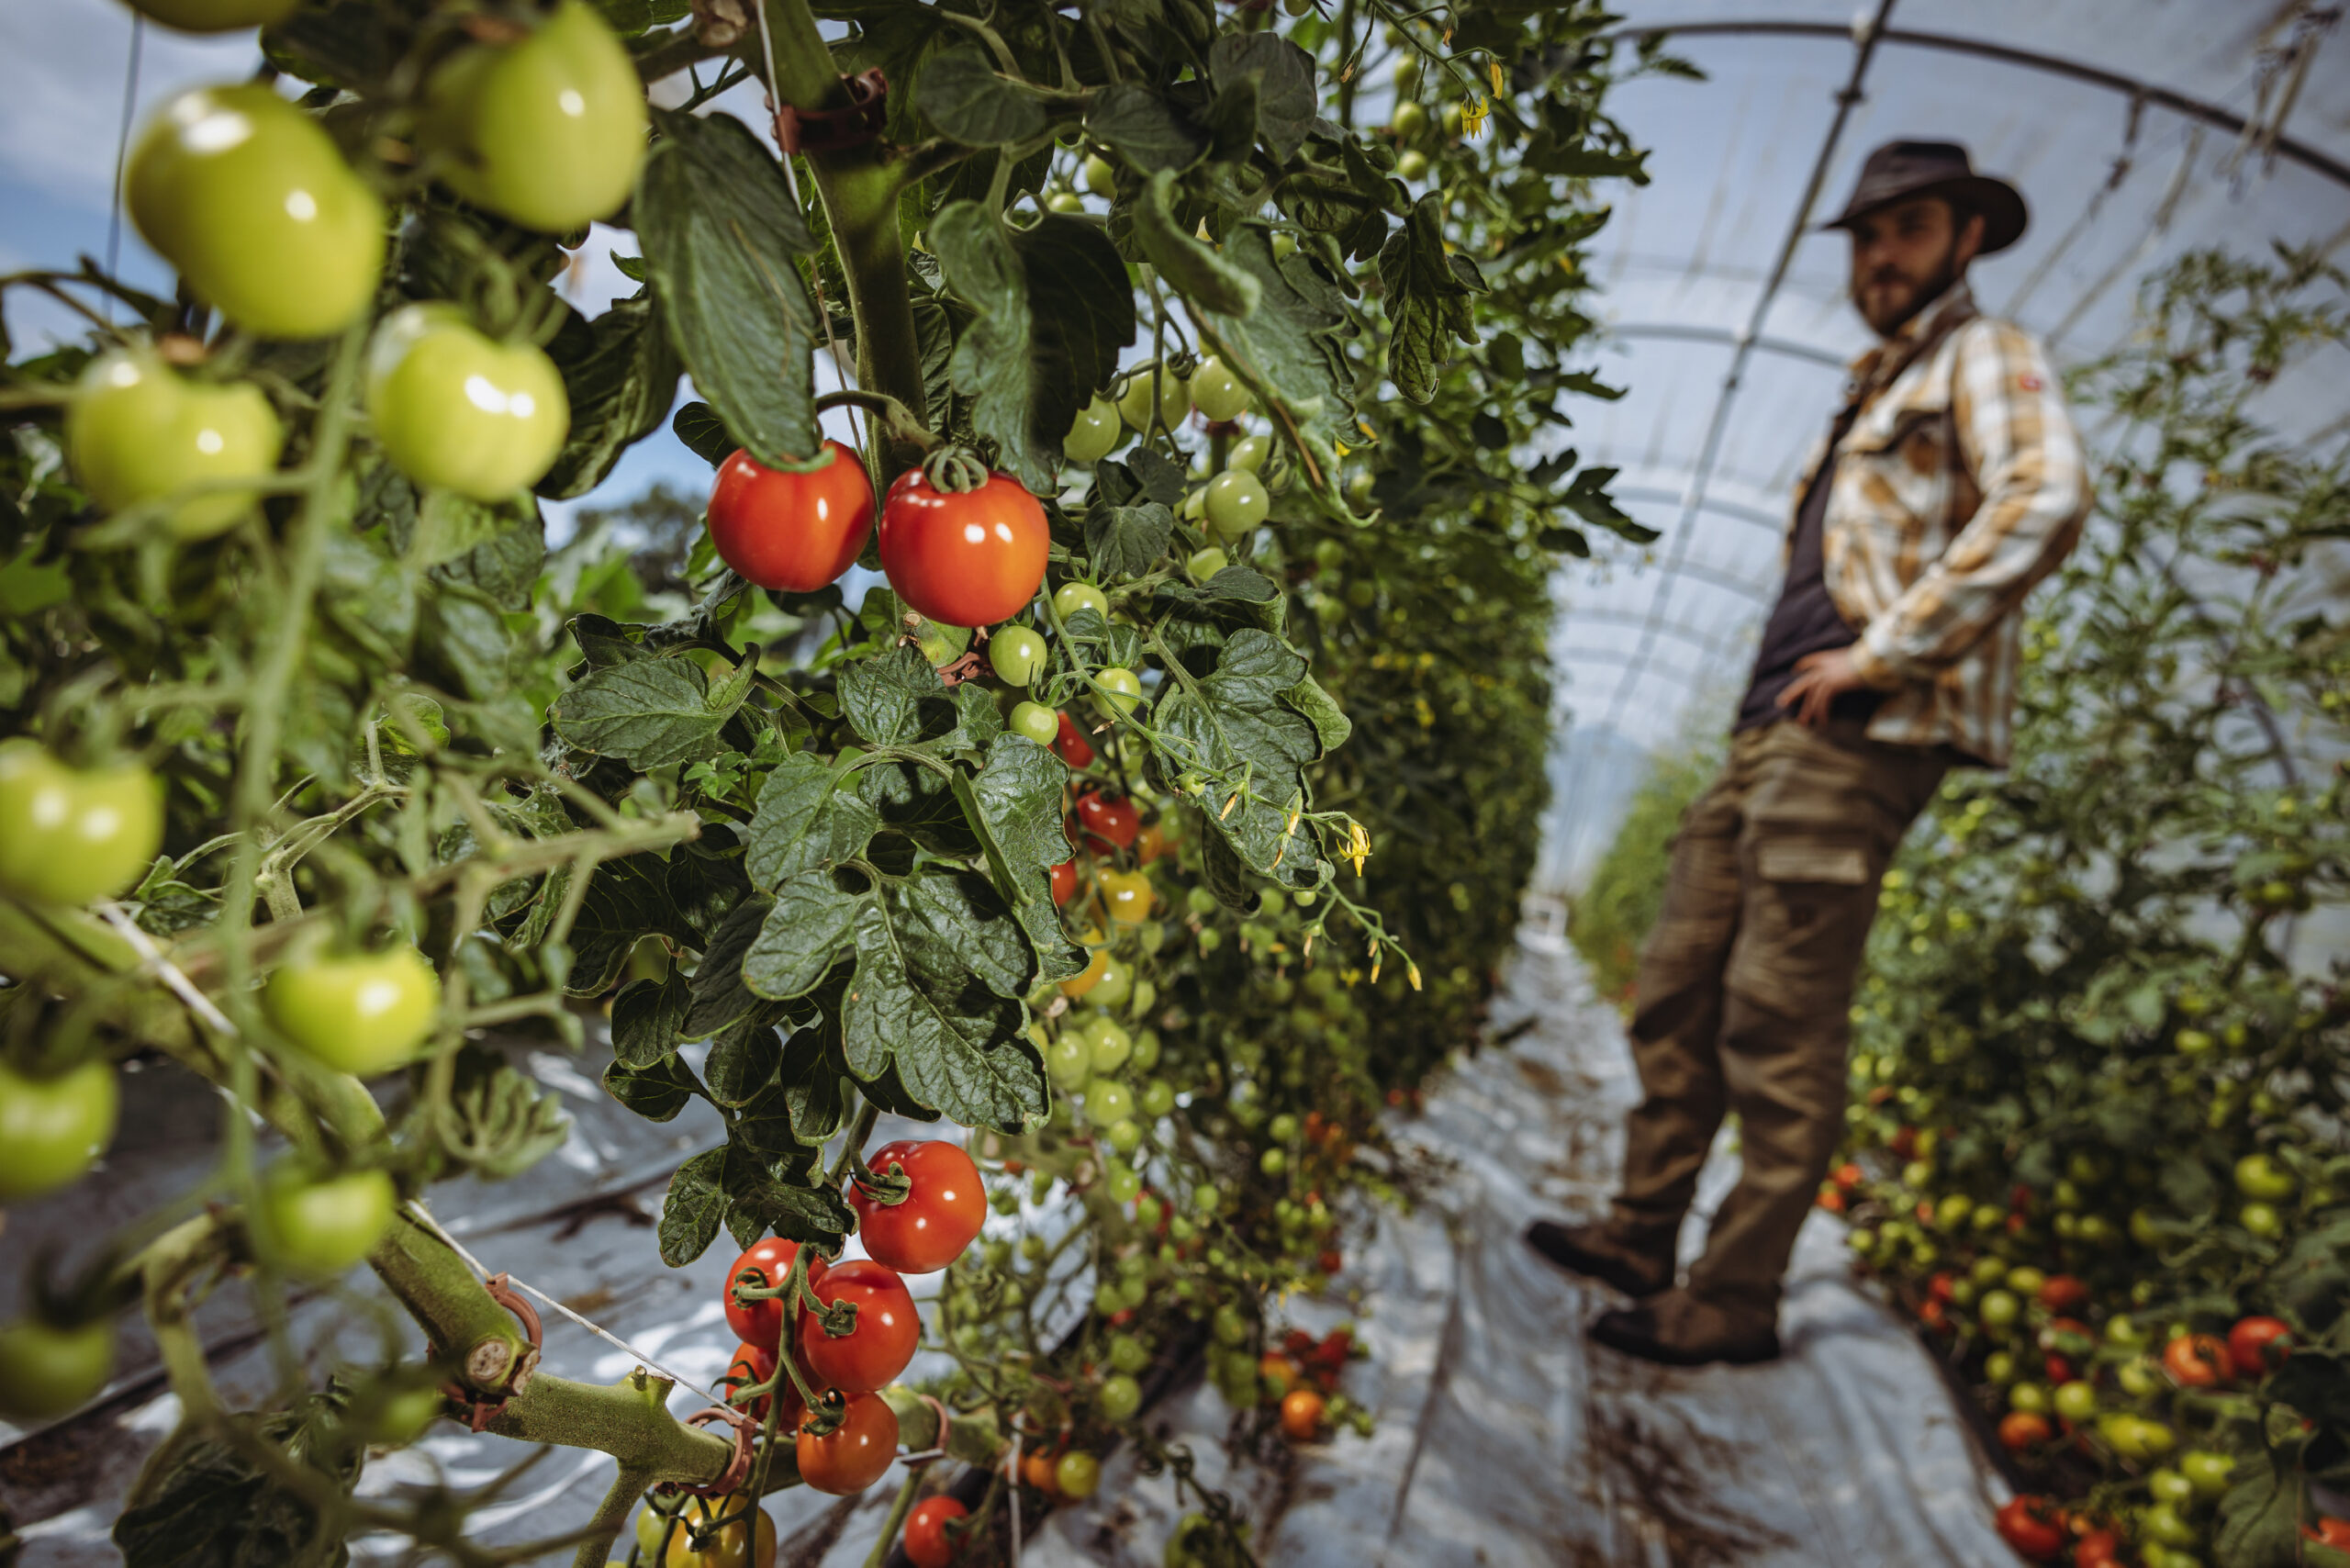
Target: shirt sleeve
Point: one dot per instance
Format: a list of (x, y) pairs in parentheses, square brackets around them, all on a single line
[(2017, 439)]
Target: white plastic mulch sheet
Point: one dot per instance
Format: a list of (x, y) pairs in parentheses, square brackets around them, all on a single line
[(1503, 1438), (1506, 1438)]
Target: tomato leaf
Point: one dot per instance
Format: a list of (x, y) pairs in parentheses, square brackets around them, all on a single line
[(1233, 727), (743, 1057), (719, 997), (720, 235), (964, 96), (1014, 804), (1051, 310), (648, 712), (804, 821), (625, 901), (1330, 723), (939, 960), (656, 1092), (693, 1208), (706, 880), (897, 699), (1125, 540), (757, 1204), (1145, 128), (1283, 78), (500, 1122), (620, 374), (201, 1501), (1428, 298), (803, 931), (704, 434), (648, 1019)]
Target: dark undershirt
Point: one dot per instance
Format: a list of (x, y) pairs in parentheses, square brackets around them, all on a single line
[(1805, 620)]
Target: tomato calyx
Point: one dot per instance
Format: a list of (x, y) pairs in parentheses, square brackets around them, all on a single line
[(889, 1186), (955, 470)]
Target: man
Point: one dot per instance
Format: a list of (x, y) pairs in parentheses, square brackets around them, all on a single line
[(1950, 483)]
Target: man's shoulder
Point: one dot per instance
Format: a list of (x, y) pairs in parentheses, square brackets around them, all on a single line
[(1997, 337)]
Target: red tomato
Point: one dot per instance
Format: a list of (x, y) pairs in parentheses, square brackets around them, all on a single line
[(927, 1543), (1108, 823), (2197, 1361), (1065, 881), (2020, 1429), (1831, 1198), (2330, 1532), (1151, 844), (1330, 1261), (2033, 1526), (793, 531), (939, 1216), (760, 1323), (1072, 746), (1941, 1286), (1848, 1176), (2098, 1548), (881, 1344), (853, 1455), (1301, 1415), (1041, 1471), (2257, 1346), (968, 559), (2063, 1292), (1904, 1143)]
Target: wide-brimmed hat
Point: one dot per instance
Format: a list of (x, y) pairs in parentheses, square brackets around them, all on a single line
[(1902, 169)]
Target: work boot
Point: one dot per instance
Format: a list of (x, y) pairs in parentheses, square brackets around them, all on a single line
[(1593, 1250), (1678, 1329)]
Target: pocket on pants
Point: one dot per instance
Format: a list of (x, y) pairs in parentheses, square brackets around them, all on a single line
[(1809, 906)]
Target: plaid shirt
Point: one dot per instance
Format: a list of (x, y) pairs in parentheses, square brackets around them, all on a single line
[(1961, 484)]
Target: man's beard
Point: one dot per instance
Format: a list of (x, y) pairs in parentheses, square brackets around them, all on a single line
[(1944, 273)]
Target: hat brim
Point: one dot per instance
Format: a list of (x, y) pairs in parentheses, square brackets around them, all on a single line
[(2001, 205)]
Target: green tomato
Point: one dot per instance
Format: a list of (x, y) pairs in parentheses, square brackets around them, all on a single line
[(1128, 1354), (319, 1229), (2026, 1280), (1077, 1474), (2076, 1401), (1200, 903), (1274, 1161), (68, 835), (1111, 1044), (1070, 598), (1407, 69), (1124, 1185), (1998, 1310), (1359, 486), (1107, 1100), (2032, 1398), (1065, 201), (2260, 1178), (251, 199), (216, 16), (1284, 245), (1282, 1129), (453, 409), (1101, 175), (1201, 564), (1179, 1229), (1157, 1098), (1217, 393), (1230, 1327), (2167, 1485), (1236, 503), (549, 131), (1124, 1136), (1249, 452), (1094, 431), (2262, 1220), (1120, 688), (1017, 653), (1410, 120), (2139, 1378), (138, 431), (1036, 720), (1121, 1397), (1116, 986), (2161, 1523), (358, 1013), (1412, 165), (1989, 1270), (1143, 383), (2209, 1475), (46, 1370), (1204, 1197), (52, 1129), (1068, 1062), (1999, 1366)]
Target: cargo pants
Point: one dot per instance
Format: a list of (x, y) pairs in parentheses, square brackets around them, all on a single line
[(1745, 991)]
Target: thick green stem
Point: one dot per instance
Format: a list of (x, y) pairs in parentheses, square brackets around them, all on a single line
[(859, 188), (595, 1546)]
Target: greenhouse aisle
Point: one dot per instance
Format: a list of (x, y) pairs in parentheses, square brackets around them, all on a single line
[(1505, 1438)]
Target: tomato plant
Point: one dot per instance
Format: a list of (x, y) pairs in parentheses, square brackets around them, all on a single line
[(764, 1265), (52, 1128), (69, 835), (928, 1542), (452, 409), (318, 1228), (853, 1455), (877, 1348), (969, 553), (358, 1013), (138, 431)]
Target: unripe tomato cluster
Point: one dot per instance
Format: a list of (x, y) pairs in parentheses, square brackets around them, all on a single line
[(2062, 1307)]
